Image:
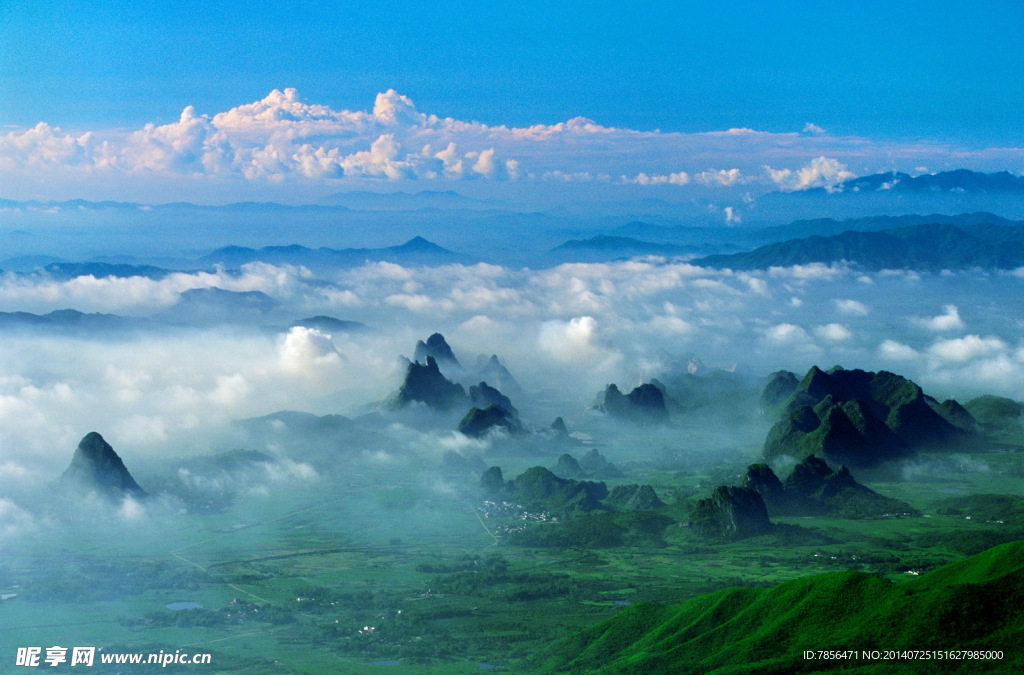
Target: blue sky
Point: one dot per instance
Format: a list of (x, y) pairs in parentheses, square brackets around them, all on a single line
[(921, 74)]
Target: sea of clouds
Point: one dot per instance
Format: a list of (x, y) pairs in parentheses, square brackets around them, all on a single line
[(571, 328)]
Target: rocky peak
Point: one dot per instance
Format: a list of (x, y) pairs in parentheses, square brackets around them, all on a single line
[(437, 347), (568, 467), (425, 383), (95, 465), (731, 513)]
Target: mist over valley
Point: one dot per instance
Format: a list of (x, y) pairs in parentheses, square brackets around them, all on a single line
[(350, 338)]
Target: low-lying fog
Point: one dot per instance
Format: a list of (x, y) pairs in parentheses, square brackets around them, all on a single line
[(161, 390)]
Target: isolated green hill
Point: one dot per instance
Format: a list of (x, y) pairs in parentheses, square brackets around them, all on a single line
[(974, 604), (997, 412)]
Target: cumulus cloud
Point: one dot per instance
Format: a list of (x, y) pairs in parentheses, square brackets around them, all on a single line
[(723, 177), (274, 139), (833, 332), (786, 333), (852, 307), (570, 328), (823, 172), (306, 352), (897, 351), (575, 341), (43, 146), (947, 321), (968, 348), (281, 139), (677, 178)]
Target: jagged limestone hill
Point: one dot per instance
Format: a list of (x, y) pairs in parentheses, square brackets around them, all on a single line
[(644, 405), (479, 421), (538, 488), (483, 395), (596, 465), (558, 428), (493, 372), (95, 466), (487, 382), (781, 385), (568, 467), (814, 488), (974, 604), (863, 419), (731, 513), (425, 384), (634, 497), (435, 347)]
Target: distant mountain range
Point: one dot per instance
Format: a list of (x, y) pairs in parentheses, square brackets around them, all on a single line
[(70, 320), (411, 201), (928, 247), (416, 251), (602, 248), (67, 270), (825, 227), (960, 180), (205, 306), (508, 234)]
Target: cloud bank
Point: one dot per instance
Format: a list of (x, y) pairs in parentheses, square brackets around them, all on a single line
[(283, 139), (570, 329)]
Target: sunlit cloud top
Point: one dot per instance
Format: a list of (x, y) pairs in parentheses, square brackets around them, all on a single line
[(282, 138)]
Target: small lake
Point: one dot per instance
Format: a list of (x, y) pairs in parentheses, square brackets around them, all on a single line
[(178, 606)]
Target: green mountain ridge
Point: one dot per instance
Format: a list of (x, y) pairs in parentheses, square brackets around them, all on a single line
[(862, 418), (974, 604)]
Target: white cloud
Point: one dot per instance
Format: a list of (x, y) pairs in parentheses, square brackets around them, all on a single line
[(786, 333), (823, 172), (113, 294), (852, 307), (810, 272), (722, 177), (44, 146), (671, 325), (967, 348), (897, 351), (677, 178), (948, 320), (281, 139), (14, 520), (833, 332), (306, 352), (571, 329), (274, 139), (574, 341), (131, 510)]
